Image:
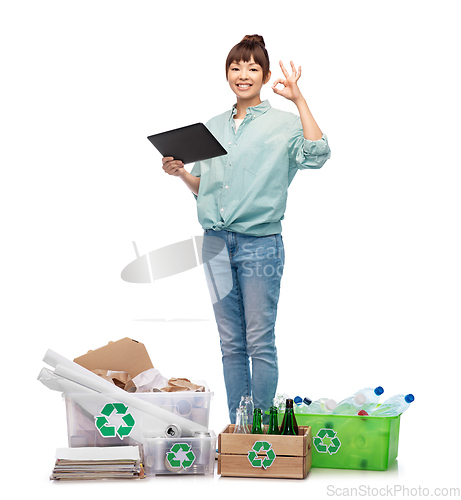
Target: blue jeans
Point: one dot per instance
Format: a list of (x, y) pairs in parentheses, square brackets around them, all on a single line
[(243, 274)]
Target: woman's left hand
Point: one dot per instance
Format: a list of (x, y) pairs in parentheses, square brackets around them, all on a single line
[(291, 90)]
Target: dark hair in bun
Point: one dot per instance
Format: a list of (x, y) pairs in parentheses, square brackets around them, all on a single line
[(250, 45)]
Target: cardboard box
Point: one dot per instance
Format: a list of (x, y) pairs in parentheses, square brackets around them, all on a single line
[(264, 455), (125, 355)]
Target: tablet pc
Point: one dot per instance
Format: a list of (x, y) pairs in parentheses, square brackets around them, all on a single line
[(188, 144)]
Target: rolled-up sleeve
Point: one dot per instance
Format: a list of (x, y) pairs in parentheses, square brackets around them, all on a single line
[(304, 152)]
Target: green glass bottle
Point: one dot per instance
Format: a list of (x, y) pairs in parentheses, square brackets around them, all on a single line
[(273, 423), (289, 425), (257, 422)]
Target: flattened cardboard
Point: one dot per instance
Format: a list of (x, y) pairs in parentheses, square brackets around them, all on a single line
[(125, 355)]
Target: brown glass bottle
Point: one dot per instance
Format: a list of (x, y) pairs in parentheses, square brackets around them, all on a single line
[(289, 425)]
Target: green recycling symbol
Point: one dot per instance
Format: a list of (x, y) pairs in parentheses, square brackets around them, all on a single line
[(256, 461), (184, 459), (103, 425), (323, 446)]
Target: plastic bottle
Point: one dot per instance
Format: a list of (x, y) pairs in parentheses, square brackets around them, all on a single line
[(372, 396), (301, 405), (393, 406), (322, 405), (365, 399)]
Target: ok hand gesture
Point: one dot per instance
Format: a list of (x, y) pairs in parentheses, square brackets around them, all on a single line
[(291, 90)]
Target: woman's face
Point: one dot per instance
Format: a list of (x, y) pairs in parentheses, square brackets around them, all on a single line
[(246, 79)]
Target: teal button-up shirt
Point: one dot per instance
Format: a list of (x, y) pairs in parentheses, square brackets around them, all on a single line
[(245, 191)]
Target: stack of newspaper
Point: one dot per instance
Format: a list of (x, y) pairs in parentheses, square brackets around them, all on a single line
[(110, 462)]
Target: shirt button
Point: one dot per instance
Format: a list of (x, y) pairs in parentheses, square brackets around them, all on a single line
[(222, 209), (230, 143), (227, 187)]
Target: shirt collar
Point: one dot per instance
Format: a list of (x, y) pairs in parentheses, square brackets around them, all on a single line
[(256, 111)]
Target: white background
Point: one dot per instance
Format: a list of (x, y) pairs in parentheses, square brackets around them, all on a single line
[(370, 293)]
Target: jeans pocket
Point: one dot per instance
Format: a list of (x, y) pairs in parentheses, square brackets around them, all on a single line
[(280, 248)]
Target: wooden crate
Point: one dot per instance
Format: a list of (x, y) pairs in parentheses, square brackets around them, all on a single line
[(292, 454)]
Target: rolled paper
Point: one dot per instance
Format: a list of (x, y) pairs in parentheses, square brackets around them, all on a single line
[(54, 359), (103, 386), (200, 415), (86, 398), (173, 431), (76, 373), (171, 468), (183, 407), (199, 401)]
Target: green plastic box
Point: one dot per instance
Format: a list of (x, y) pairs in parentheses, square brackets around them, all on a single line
[(352, 442)]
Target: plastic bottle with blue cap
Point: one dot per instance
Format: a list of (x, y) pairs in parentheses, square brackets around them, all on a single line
[(301, 404), (322, 405), (393, 406), (365, 400)]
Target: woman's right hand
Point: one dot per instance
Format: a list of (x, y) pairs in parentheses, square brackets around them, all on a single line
[(172, 166)]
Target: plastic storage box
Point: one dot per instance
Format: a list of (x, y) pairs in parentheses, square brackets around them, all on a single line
[(180, 456), (352, 441), (93, 421)]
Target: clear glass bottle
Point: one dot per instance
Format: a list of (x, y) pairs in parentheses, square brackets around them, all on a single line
[(247, 402), (279, 401), (241, 426)]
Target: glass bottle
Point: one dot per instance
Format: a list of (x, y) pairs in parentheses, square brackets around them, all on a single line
[(257, 422), (241, 426), (247, 402), (273, 423), (289, 425), (279, 401)]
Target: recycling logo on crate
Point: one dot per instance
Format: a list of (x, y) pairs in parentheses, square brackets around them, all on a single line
[(180, 455), (326, 441), (103, 424), (257, 461)]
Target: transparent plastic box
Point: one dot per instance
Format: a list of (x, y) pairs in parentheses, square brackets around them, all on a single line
[(90, 421), (194, 455)]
